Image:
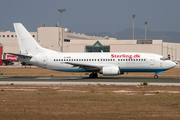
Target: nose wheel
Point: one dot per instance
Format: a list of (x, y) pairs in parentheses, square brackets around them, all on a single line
[(93, 75), (155, 76)]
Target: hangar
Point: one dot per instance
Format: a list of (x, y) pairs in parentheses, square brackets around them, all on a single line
[(50, 37)]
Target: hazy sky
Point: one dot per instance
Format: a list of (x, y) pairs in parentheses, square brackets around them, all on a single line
[(92, 15)]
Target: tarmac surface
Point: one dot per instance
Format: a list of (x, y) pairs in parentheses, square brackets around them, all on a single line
[(86, 80)]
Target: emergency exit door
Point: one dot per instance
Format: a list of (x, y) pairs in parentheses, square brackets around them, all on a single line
[(45, 61)]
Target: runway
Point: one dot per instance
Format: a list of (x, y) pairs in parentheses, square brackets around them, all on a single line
[(86, 80)]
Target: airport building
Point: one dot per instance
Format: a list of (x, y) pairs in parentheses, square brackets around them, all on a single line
[(51, 38)]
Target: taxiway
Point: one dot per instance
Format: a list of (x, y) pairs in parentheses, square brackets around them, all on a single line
[(86, 80)]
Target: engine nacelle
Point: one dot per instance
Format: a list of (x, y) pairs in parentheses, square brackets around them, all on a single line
[(113, 70)]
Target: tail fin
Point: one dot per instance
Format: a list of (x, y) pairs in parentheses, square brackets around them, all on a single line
[(27, 43)]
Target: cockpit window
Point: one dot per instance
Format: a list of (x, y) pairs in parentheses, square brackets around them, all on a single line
[(164, 58)]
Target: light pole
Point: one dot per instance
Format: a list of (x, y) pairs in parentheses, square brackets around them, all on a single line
[(145, 29), (133, 25), (61, 11)]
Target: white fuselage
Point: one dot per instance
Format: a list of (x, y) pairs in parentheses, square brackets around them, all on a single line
[(127, 62)]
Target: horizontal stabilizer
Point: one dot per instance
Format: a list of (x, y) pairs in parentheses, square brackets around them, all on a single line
[(20, 55)]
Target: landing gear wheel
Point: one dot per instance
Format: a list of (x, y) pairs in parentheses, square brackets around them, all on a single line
[(93, 75), (155, 76)]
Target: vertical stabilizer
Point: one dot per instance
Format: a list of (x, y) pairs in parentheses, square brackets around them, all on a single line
[(27, 43)]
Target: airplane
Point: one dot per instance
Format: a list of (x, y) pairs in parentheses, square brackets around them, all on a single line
[(106, 63)]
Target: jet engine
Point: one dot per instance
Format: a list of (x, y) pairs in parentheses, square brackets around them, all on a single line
[(113, 70)]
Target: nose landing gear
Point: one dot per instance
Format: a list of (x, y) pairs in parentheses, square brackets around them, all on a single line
[(155, 76), (93, 75)]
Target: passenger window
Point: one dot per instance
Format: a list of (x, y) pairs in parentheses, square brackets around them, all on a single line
[(84, 59), (89, 59)]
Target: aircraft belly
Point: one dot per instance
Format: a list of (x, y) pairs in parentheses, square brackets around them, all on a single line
[(142, 70)]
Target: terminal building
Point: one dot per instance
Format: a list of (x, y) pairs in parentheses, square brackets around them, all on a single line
[(51, 38)]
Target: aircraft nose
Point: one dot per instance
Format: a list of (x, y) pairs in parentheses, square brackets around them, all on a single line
[(169, 64), (174, 64)]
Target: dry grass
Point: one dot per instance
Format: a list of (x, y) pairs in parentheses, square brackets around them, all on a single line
[(87, 102), (79, 102), (45, 72)]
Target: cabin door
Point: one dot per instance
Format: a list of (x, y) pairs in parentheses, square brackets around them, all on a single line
[(152, 60)]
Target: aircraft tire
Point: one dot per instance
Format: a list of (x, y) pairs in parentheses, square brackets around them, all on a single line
[(90, 75), (155, 76), (95, 75)]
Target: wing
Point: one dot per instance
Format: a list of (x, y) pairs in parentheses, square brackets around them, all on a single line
[(85, 66)]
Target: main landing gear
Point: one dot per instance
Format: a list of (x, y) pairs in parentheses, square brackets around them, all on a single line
[(155, 76), (93, 75)]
